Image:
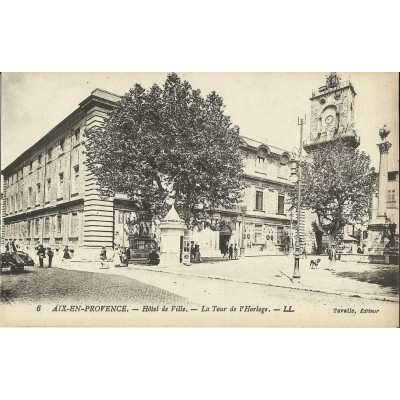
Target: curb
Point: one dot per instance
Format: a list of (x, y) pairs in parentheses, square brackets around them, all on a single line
[(367, 296)]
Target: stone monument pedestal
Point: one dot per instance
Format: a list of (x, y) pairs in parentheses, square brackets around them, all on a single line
[(172, 229), (377, 242)]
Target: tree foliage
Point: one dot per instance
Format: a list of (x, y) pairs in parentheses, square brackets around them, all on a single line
[(337, 183), (168, 144)]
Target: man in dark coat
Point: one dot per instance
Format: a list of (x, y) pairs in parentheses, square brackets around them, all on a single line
[(50, 254), (231, 252), (41, 252)]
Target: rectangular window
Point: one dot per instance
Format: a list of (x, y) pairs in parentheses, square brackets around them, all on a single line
[(260, 160), (49, 153), (28, 229), (60, 191), (38, 193), (47, 226), (59, 225), (279, 235), (48, 191), (258, 234), (30, 166), (21, 198), (75, 180), (74, 224), (121, 217), (391, 198), (30, 198), (62, 142), (259, 200), (77, 135), (40, 159), (281, 204), (37, 227)]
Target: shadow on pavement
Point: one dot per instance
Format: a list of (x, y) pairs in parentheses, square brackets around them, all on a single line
[(386, 277)]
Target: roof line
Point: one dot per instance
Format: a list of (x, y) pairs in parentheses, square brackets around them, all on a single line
[(266, 144)]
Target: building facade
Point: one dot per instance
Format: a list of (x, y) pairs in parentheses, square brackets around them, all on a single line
[(50, 198), (49, 195), (263, 223), (392, 201)]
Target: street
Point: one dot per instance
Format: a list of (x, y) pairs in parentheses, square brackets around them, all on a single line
[(213, 301), (54, 285)]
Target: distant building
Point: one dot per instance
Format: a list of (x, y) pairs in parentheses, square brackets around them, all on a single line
[(50, 197), (262, 223), (392, 201)]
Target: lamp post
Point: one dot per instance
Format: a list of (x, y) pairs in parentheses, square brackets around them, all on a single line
[(296, 270)]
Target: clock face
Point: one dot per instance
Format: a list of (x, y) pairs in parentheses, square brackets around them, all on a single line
[(329, 119)]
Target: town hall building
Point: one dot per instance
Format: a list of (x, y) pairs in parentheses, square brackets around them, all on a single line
[(50, 198)]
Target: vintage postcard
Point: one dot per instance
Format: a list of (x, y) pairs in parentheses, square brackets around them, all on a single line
[(200, 199)]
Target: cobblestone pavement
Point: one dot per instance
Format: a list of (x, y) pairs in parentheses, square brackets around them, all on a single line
[(210, 299), (313, 307), (347, 278), (53, 285)]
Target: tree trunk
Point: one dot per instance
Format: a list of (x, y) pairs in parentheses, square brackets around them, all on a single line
[(318, 239)]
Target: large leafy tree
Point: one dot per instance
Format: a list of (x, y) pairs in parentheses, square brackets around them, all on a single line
[(337, 183), (168, 145)]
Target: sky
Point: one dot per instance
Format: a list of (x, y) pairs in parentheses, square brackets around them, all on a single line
[(265, 106)]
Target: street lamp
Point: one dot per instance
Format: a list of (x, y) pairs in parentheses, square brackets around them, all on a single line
[(297, 178)]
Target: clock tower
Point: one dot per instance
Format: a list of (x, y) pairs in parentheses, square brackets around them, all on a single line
[(332, 114)]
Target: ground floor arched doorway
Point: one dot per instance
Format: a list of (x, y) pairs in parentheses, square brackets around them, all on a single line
[(225, 235)]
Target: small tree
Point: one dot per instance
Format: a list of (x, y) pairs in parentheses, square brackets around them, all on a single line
[(168, 145), (337, 184)]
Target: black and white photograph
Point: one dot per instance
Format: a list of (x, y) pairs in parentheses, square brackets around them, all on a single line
[(200, 199)]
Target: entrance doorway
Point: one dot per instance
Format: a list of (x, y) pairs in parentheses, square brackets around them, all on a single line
[(225, 234)]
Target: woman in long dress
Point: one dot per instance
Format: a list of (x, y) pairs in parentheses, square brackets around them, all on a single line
[(116, 258), (15, 254)]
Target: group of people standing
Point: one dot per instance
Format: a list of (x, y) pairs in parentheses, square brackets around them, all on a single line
[(195, 256), (120, 256), (230, 252), (42, 252)]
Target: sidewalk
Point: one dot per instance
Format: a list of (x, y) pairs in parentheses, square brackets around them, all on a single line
[(270, 271)]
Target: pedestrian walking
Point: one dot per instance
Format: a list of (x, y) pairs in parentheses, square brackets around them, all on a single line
[(231, 252), (236, 251), (304, 252), (224, 251), (66, 255), (332, 253), (103, 254), (50, 255), (124, 260), (8, 246), (154, 258), (197, 257), (103, 257), (41, 252), (192, 252), (116, 257)]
